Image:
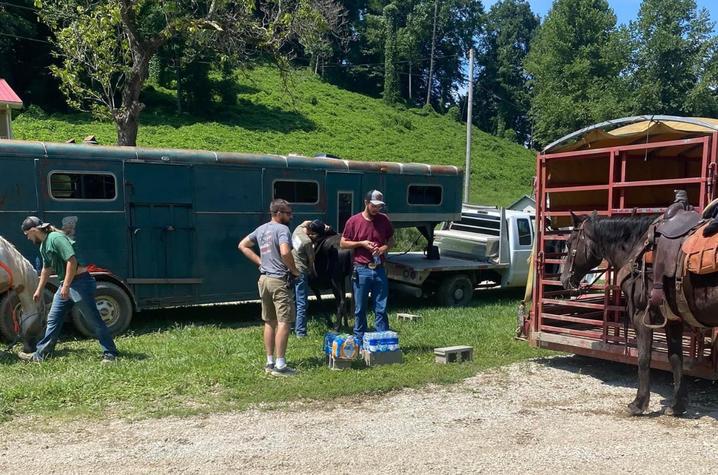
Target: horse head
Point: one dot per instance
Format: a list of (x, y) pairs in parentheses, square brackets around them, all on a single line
[(581, 252)]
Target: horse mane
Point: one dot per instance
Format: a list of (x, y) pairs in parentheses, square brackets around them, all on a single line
[(607, 232)]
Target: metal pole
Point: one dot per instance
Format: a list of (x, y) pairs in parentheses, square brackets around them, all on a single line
[(470, 104)]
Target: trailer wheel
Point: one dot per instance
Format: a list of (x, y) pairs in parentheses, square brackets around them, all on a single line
[(456, 291), (11, 315), (114, 306)]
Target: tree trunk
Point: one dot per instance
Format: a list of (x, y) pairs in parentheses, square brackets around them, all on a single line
[(127, 118), (431, 59)]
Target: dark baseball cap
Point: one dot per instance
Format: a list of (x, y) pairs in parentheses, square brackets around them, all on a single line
[(32, 222), (317, 226)]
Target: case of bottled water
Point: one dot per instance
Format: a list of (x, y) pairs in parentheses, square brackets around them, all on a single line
[(380, 342)]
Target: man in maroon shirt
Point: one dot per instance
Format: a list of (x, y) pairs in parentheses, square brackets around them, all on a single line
[(370, 234)]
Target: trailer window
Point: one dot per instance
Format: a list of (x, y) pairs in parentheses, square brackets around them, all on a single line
[(524, 228), (82, 186), (425, 195), (304, 192)]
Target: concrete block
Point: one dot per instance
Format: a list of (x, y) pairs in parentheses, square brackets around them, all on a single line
[(408, 317), (454, 354), (339, 364), (381, 358)]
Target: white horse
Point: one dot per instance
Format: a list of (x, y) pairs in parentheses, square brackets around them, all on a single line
[(19, 276)]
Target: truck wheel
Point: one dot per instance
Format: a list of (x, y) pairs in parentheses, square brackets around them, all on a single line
[(114, 306), (11, 315), (456, 291)]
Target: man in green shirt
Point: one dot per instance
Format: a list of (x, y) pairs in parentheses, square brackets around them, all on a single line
[(77, 287)]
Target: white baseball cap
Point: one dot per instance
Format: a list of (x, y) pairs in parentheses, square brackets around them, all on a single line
[(375, 197)]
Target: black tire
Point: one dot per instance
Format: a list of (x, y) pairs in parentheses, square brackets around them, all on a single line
[(456, 291), (115, 308), (11, 313)]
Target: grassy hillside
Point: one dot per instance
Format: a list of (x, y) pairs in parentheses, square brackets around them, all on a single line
[(312, 117)]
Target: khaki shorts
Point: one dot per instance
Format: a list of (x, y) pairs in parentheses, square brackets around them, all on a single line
[(277, 299)]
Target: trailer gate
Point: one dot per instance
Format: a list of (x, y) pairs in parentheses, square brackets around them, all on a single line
[(635, 176)]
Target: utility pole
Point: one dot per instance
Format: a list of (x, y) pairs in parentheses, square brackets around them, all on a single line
[(431, 60), (469, 126), (409, 79)]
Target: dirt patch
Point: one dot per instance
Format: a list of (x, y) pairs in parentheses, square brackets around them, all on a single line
[(562, 414)]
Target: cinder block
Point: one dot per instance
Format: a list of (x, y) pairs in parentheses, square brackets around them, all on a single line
[(339, 364), (454, 354), (408, 317), (384, 357)]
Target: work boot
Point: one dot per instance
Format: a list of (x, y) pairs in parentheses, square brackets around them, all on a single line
[(657, 298)]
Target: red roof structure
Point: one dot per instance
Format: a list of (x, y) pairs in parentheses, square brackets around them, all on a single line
[(8, 96)]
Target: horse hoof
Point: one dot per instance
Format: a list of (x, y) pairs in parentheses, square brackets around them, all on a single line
[(675, 411), (634, 410)]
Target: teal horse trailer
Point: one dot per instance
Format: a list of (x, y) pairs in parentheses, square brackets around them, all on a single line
[(160, 227)]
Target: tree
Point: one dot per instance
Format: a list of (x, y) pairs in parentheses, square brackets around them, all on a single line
[(674, 59), (106, 46), (577, 64), (391, 87), (503, 96)]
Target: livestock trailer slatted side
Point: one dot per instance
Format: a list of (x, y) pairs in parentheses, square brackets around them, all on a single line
[(628, 174)]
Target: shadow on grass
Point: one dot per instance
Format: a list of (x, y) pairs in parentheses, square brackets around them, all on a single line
[(702, 393), (246, 115)]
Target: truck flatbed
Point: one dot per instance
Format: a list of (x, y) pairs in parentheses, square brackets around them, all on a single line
[(419, 263)]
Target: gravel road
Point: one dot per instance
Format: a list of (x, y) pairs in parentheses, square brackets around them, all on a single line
[(556, 415)]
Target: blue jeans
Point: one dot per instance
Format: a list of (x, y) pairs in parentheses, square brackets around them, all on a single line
[(301, 295), (366, 280), (82, 293)]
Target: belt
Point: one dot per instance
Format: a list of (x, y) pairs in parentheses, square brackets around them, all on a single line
[(370, 265)]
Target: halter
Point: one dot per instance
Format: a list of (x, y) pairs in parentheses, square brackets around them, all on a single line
[(579, 237)]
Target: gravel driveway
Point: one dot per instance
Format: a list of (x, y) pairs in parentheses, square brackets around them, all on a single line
[(562, 414)]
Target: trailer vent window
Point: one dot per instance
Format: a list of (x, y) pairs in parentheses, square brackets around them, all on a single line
[(297, 192), (82, 186), (425, 195)]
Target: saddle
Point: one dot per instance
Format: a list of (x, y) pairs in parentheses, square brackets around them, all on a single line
[(679, 247)]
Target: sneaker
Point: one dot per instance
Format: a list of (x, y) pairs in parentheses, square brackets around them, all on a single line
[(268, 368), (108, 358), (26, 356), (285, 371)]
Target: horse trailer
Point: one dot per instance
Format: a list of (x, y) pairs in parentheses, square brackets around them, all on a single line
[(160, 227), (625, 166)]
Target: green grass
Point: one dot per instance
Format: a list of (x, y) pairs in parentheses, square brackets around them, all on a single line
[(210, 359), (312, 117)]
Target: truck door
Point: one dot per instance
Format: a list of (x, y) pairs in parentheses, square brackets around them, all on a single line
[(520, 238), (160, 207)]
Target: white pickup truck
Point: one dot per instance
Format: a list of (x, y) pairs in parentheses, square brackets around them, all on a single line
[(489, 246)]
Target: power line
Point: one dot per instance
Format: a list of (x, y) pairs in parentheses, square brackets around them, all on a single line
[(22, 7), (24, 38)]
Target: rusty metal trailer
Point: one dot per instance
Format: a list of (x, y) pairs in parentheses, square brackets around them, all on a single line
[(624, 166)]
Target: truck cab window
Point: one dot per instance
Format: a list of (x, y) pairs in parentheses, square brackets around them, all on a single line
[(82, 186), (524, 231)]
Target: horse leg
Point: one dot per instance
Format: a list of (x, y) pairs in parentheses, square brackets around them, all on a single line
[(318, 295), (339, 300), (644, 336), (674, 335)]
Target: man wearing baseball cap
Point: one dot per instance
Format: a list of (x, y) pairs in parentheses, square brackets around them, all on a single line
[(370, 233), (77, 286)]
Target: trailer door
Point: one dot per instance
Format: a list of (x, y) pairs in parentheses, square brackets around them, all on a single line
[(344, 198), (161, 217)]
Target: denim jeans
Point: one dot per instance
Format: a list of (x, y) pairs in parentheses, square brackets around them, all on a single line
[(366, 280), (301, 295), (82, 293)]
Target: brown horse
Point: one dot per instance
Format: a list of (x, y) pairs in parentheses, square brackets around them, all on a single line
[(618, 240)]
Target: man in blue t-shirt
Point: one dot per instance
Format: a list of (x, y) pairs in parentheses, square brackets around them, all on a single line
[(276, 289)]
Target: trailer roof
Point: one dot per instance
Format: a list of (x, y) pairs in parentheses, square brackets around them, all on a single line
[(636, 129), (18, 148)]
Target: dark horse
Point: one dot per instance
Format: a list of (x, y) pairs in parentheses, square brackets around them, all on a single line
[(332, 267), (620, 240)]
